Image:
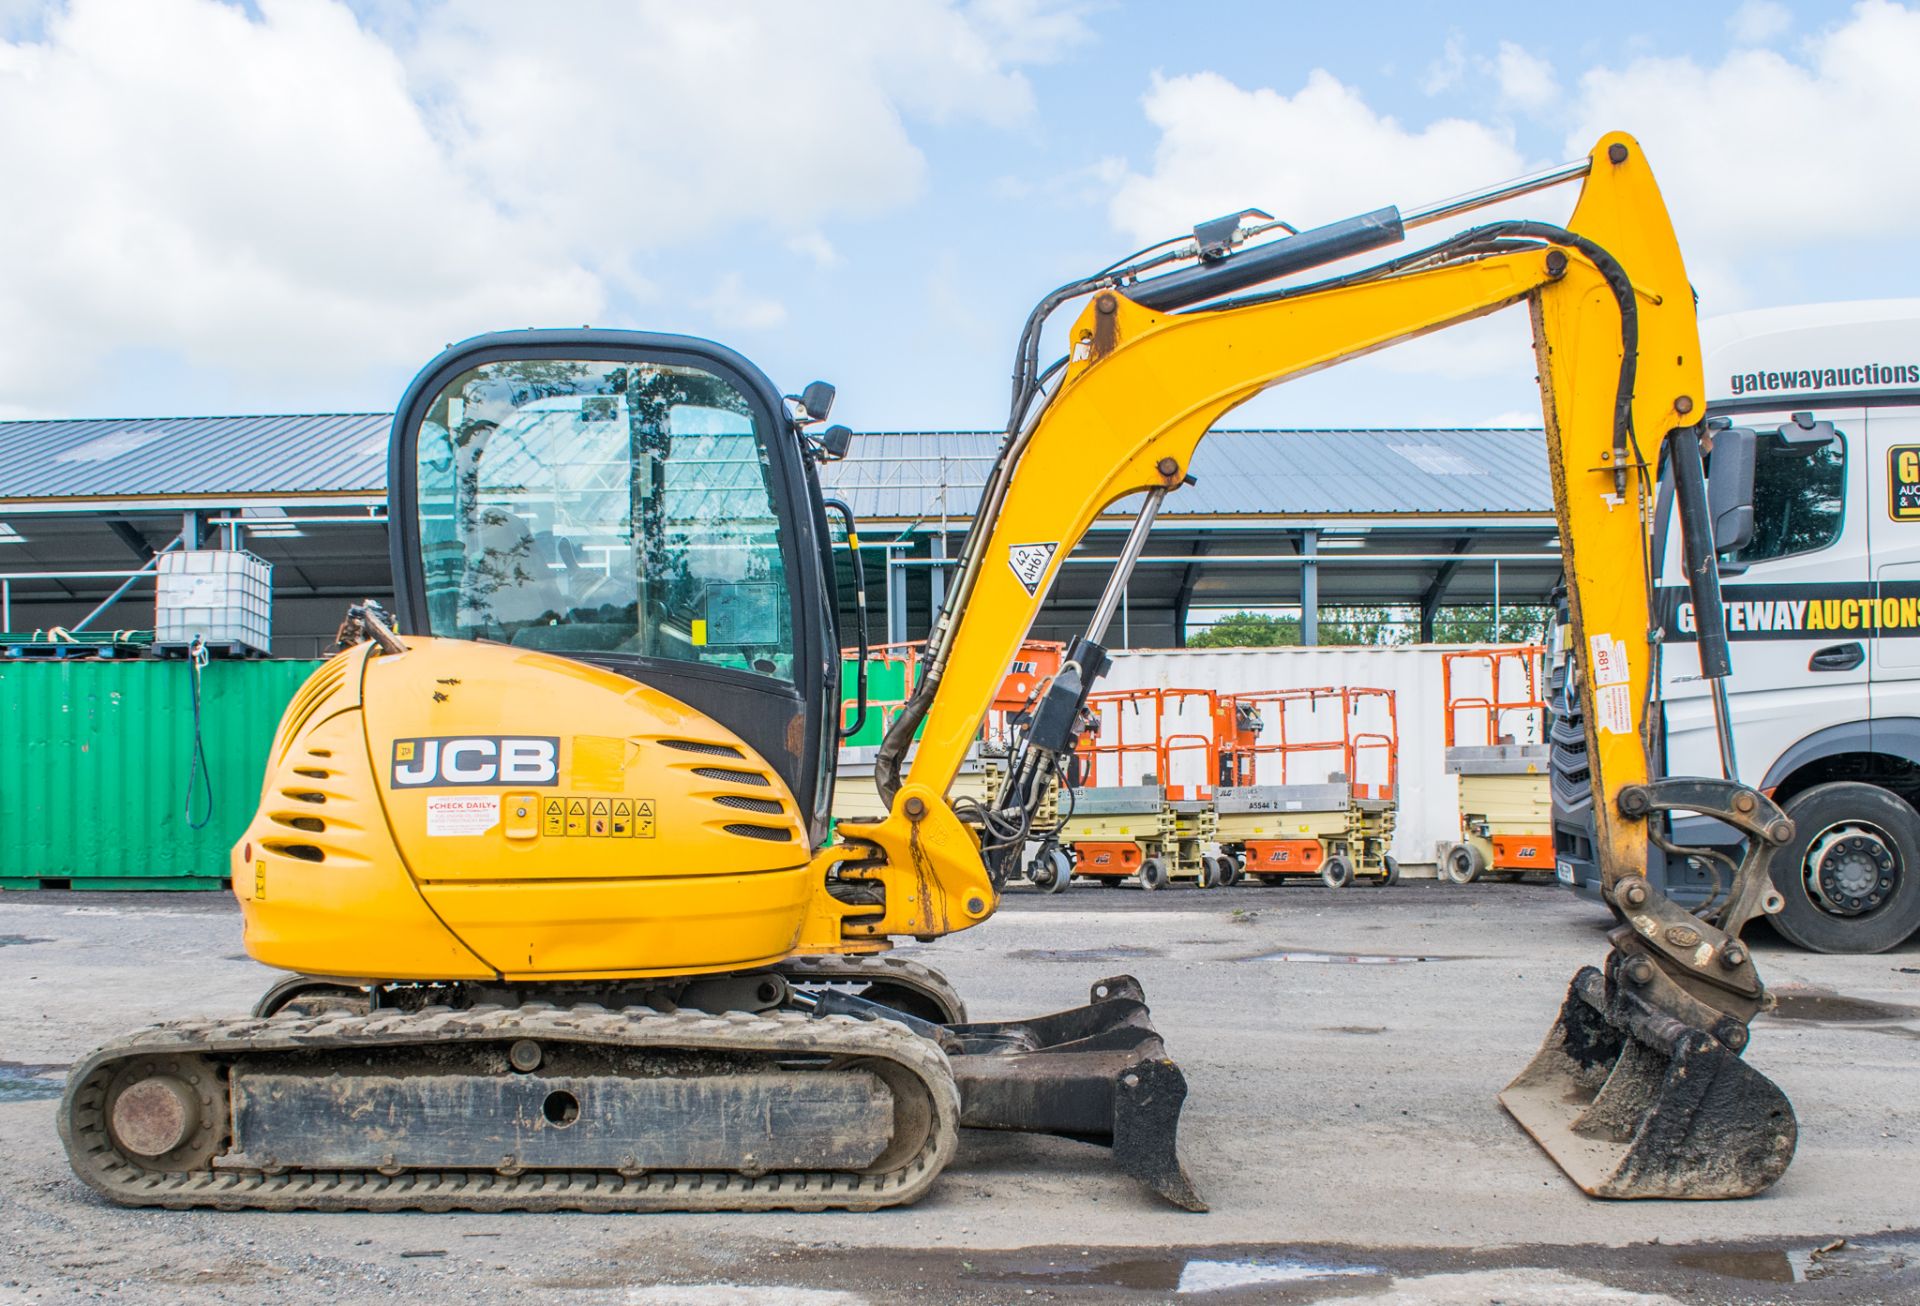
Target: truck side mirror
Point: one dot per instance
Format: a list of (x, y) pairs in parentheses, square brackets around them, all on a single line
[(1730, 488)]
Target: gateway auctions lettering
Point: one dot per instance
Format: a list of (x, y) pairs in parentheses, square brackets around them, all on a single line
[(1825, 378), (1800, 612)]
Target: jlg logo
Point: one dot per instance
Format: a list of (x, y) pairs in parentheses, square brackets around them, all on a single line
[(476, 760)]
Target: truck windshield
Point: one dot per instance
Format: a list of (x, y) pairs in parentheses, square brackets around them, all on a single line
[(594, 507)]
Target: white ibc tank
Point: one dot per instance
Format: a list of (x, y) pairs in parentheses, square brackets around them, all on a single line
[(223, 596)]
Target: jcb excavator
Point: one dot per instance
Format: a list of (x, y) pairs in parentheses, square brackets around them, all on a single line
[(546, 852)]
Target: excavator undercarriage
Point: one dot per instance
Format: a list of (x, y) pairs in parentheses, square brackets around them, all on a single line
[(446, 1097)]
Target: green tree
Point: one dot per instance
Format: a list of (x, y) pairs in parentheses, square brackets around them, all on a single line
[(1473, 624), (1247, 630)]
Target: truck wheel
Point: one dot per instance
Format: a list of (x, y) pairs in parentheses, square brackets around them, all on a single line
[(1234, 871), (1851, 874), (1462, 864), (1219, 871), (1389, 869), (1153, 874), (1337, 871)]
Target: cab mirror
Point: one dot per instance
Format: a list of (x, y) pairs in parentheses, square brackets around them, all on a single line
[(1730, 488)]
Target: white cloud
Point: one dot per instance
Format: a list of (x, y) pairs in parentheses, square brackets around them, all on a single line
[(259, 197), (813, 245), (1761, 154), (733, 308), (1444, 73), (1758, 21), (1031, 31), (279, 196), (1314, 156), (1525, 79)]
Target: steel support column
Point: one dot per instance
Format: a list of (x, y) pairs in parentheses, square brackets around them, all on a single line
[(1310, 587)]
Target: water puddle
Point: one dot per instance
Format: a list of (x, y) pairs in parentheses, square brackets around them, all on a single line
[(1839, 1259), (1342, 958), (24, 1082), (1766, 1265), (1121, 953), (18, 940), (1180, 1275), (1218, 1276), (1826, 1007)]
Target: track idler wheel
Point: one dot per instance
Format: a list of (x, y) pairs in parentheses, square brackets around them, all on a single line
[(1631, 1102)]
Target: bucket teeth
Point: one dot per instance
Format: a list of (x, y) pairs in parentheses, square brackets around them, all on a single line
[(1633, 1103)]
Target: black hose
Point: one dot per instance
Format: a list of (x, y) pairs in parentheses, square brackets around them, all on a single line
[(198, 773)]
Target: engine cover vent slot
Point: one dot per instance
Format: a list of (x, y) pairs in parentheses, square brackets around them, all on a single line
[(304, 852), (732, 775), (697, 746), (771, 833), (764, 806)]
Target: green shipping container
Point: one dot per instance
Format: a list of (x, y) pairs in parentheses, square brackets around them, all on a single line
[(886, 683), (95, 767)]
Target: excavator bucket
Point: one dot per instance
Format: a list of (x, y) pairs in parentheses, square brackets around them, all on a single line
[(1633, 1103)]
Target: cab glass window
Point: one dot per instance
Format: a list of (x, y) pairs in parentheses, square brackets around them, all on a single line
[(595, 507), (1799, 496)]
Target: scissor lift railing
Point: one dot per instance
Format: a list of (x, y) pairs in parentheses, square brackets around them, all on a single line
[(1276, 822), (1496, 718), (1142, 807)]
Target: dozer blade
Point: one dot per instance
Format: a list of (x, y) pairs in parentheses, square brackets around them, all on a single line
[(1097, 1073), (1633, 1103)]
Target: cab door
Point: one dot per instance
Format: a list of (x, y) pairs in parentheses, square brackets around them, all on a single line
[(1893, 524), (1796, 594)]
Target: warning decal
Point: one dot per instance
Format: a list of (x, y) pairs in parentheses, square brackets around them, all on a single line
[(449, 816), (564, 817), (1609, 671), (1029, 563)]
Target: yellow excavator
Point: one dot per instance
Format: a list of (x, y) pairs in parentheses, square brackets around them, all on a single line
[(546, 849)]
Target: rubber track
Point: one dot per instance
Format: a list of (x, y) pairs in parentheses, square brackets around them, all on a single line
[(924, 980), (100, 1164)]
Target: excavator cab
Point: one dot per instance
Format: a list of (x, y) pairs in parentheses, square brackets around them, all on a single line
[(643, 503)]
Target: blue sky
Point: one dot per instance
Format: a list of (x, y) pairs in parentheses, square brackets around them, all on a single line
[(292, 205)]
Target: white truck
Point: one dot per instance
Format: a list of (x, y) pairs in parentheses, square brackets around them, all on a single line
[(1821, 585)]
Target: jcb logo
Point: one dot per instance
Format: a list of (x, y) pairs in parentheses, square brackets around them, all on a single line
[(476, 760)]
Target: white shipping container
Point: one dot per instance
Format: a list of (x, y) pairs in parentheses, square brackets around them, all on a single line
[(1429, 815), (223, 596)]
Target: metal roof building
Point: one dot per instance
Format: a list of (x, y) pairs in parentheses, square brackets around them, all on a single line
[(1278, 519)]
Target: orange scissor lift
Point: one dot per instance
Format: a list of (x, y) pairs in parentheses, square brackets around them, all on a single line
[(1143, 808), (1307, 781), (1496, 732)]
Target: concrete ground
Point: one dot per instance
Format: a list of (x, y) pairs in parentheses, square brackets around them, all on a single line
[(1343, 1048)]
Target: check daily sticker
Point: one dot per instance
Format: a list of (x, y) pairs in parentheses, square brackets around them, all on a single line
[(455, 816)]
